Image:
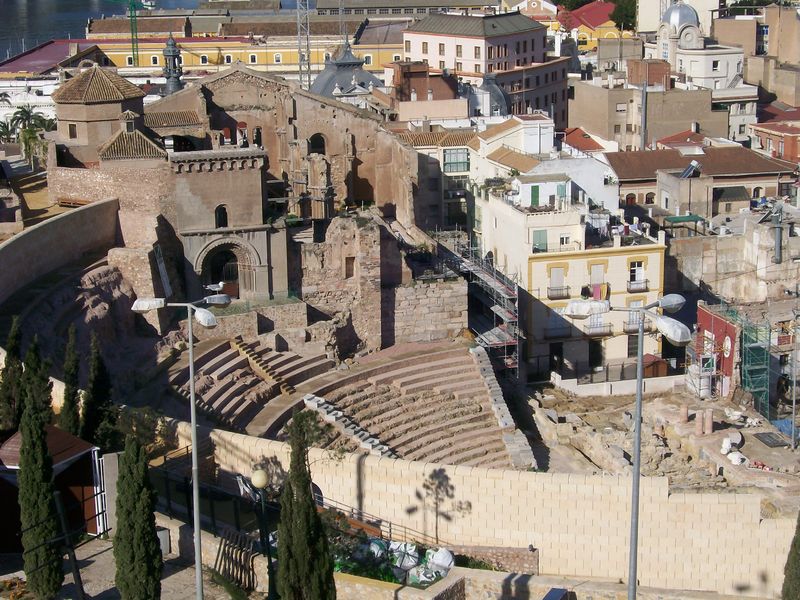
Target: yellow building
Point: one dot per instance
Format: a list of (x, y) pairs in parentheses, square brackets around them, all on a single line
[(591, 22)]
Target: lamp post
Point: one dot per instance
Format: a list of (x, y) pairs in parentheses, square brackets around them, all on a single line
[(678, 334), (206, 319), (259, 479), (794, 379)]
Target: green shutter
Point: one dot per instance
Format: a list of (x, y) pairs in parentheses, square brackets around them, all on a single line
[(534, 195)]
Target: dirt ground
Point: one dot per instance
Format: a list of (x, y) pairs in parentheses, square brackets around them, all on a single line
[(96, 562)]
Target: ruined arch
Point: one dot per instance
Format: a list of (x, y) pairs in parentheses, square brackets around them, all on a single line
[(317, 144), (231, 261)]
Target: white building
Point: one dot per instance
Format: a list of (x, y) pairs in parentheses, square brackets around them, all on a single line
[(698, 62), (648, 12), (476, 43)]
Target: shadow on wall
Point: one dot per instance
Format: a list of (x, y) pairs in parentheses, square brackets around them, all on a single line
[(437, 497)]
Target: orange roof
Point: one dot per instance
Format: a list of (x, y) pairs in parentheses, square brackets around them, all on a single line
[(494, 130), (96, 85), (592, 15), (580, 140), (683, 138), (788, 127), (437, 138), (513, 159)]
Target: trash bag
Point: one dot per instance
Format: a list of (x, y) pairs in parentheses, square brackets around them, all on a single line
[(737, 458), (404, 555), (420, 575), (726, 446), (442, 560), (377, 547)]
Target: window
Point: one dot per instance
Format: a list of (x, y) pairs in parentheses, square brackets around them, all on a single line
[(456, 160), (441, 64), (276, 58), (477, 68), (371, 11), (424, 46), (408, 45), (524, 46), (221, 216), (459, 66), (650, 198), (636, 271), (546, 77), (490, 68), (478, 52), (408, 10), (368, 59), (228, 59), (563, 240), (728, 207), (203, 59), (328, 57), (73, 131), (489, 52), (742, 129), (395, 57), (715, 65), (349, 266), (253, 59), (129, 61), (154, 60), (633, 345), (180, 60), (459, 49), (441, 49), (397, 11), (358, 11)]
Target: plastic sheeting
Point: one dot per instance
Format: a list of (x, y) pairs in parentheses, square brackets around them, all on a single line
[(582, 309)]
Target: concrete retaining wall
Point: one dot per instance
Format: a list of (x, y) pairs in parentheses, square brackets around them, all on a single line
[(578, 523), (651, 385), (56, 242)]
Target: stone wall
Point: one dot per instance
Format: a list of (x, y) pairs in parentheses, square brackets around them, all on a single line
[(514, 560), (228, 326), (282, 316), (53, 243), (426, 311), (578, 523)]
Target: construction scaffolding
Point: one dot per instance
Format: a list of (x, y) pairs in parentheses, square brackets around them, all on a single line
[(497, 327)]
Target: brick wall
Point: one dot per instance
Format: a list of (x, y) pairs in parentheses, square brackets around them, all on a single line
[(578, 523), (429, 311)]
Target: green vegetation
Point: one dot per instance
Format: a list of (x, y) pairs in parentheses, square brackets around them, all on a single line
[(41, 556), (472, 563), (31, 393), (69, 418), (791, 572), (624, 14), (99, 413), (136, 549), (10, 380), (305, 565)]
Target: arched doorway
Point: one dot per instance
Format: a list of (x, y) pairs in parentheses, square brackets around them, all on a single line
[(316, 144), (758, 192), (232, 265), (630, 199)]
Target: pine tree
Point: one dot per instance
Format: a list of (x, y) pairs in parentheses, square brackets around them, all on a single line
[(69, 419), (41, 556), (137, 552), (99, 413), (791, 572), (305, 565), (10, 380), (35, 370)]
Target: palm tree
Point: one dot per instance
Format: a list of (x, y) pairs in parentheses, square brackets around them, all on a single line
[(26, 117), (5, 98), (7, 132)]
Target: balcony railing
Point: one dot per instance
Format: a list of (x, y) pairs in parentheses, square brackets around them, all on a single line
[(558, 293), (632, 326), (599, 330), (557, 331), (643, 285)]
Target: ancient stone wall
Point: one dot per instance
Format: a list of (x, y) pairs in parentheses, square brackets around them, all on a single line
[(426, 311), (578, 523), (46, 246), (229, 326), (344, 274), (282, 316)]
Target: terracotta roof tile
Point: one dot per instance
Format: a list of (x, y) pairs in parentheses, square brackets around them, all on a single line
[(143, 25), (592, 15), (580, 140), (61, 446), (437, 138), (494, 130), (175, 118), (96, 86), (790, 127), (130, 146), (683, 138), (728, 160), (284, 28), (513, 159)]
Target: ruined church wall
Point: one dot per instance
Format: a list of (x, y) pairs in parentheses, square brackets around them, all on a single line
[(578, 523), (429, 311)]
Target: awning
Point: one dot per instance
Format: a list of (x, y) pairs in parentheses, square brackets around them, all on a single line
[(675, 219)]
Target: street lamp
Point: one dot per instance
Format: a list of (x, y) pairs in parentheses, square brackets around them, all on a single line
[(259, 479), (679, 335), (206, 318)]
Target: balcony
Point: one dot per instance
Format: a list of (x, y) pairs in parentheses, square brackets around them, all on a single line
[(635, 287), (558, 293), (632, 326), (555, 332), (601, 330)]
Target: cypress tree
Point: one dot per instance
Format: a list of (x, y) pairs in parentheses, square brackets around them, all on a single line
[(305, 565), (10, 380), (98, 415), (137, 552), (69, 419), (791, 572), (41, 556), (35, 371)]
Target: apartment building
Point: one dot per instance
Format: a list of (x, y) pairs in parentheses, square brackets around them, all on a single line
[(611, 109), (778, 140)]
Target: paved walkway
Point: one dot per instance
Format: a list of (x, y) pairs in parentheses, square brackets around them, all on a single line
[(96, 562)]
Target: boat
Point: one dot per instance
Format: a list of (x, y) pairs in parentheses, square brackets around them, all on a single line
[(148, 3)]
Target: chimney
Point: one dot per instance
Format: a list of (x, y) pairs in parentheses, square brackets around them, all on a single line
[(695, 127), (72, 49), (426, 124), (430, 94)]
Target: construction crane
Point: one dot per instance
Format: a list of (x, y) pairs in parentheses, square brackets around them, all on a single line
[(303, 43), (133, 5)]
